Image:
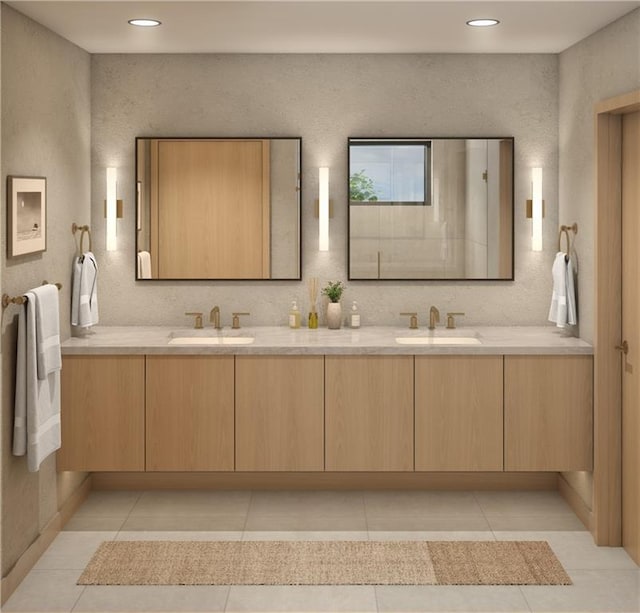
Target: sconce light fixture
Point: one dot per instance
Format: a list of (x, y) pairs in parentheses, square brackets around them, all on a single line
[(323, 209), (535, 209), (112, 208)]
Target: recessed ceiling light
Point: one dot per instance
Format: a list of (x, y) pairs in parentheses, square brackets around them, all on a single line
[(482, 23), (145, 23)]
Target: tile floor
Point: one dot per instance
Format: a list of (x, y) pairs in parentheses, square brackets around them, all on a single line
[(605, 579)]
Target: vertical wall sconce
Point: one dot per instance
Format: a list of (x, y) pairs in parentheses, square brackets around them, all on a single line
[(535, 209), (323, 209), (112, 208), (111, 212)]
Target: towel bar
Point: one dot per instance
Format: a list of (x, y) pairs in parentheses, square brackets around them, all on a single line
[(7, 300)]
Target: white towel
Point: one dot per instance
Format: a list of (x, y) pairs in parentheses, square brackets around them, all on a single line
[(47, 330), (76, 273), (36, 429), (563, 301), (84, 298), (144, 265), (572, 314)]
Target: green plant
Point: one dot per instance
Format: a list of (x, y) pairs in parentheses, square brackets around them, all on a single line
[(361, 188), (333, 290)]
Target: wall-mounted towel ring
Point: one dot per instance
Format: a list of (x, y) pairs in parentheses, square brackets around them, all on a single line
[(565, 230), (83, 230)]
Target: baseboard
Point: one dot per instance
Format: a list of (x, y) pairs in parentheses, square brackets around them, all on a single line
[(29, 558), (575, 501), (73, 503), (324, 481)]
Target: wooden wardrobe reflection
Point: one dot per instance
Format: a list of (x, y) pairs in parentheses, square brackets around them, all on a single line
[(210, 209)]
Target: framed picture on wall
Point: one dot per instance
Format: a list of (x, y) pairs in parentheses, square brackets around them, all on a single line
[(26, 215)]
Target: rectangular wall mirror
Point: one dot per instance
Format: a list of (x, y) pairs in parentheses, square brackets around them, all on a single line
[(431, 208), (218, 208)]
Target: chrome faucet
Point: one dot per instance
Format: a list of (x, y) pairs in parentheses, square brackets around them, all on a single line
[(434, 318), (214, 317)]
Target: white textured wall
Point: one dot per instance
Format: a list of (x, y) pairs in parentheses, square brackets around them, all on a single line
[(601, 66), (45, 132), (324, 99)]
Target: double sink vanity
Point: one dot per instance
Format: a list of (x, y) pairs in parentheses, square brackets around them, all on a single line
[(374, 399)]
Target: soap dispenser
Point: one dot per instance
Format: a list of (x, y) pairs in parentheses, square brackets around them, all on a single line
[(355, 315), (294, 315)]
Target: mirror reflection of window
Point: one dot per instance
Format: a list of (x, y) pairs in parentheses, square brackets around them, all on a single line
[(396, 173)]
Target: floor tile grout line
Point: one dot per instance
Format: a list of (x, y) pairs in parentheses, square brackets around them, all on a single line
[(246, 521), (75, 604), (484, 515), (133, 506), (366, 515), (226, 600), (526, 600)]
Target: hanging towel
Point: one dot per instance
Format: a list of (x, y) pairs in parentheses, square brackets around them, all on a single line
[(558, 309), (144, 265), (76, 273), (47, 330), (36, 429), (572, 314), (563, 300), (84, 298)]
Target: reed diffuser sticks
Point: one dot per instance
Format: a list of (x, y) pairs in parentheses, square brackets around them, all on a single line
[(313, 296)]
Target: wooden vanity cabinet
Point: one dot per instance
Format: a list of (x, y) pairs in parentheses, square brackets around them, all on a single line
[(459, 413), (369, 413), (190, 413), (102, 413), (548, 402), (279, 413)]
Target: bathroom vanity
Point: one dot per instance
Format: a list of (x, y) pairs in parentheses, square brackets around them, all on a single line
[(520, 399)]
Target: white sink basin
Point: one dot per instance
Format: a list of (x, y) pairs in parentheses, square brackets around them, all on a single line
[(437, 340), (211, 340)]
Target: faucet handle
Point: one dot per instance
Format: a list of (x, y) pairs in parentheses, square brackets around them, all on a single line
[(235, 322), (413, 322), (451, 322), (198, 323)]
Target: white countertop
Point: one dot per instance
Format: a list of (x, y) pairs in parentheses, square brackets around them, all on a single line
[(372, 340)]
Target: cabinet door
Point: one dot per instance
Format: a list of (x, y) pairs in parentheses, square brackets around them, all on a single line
[(279, 413), (102, 413), (459, 413), (189, 413), (548, 407), (369, 413)]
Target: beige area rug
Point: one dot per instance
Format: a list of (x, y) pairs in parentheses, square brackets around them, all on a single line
[(324, 563)]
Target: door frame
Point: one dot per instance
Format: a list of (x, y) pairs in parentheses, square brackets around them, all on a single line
[(607, 473)]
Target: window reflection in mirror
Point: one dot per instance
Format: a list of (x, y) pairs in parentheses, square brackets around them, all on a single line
[(218, 208), (388, 173), (431, 208)]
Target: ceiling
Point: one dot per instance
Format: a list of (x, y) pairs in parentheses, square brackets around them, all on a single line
[(325, 26)]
